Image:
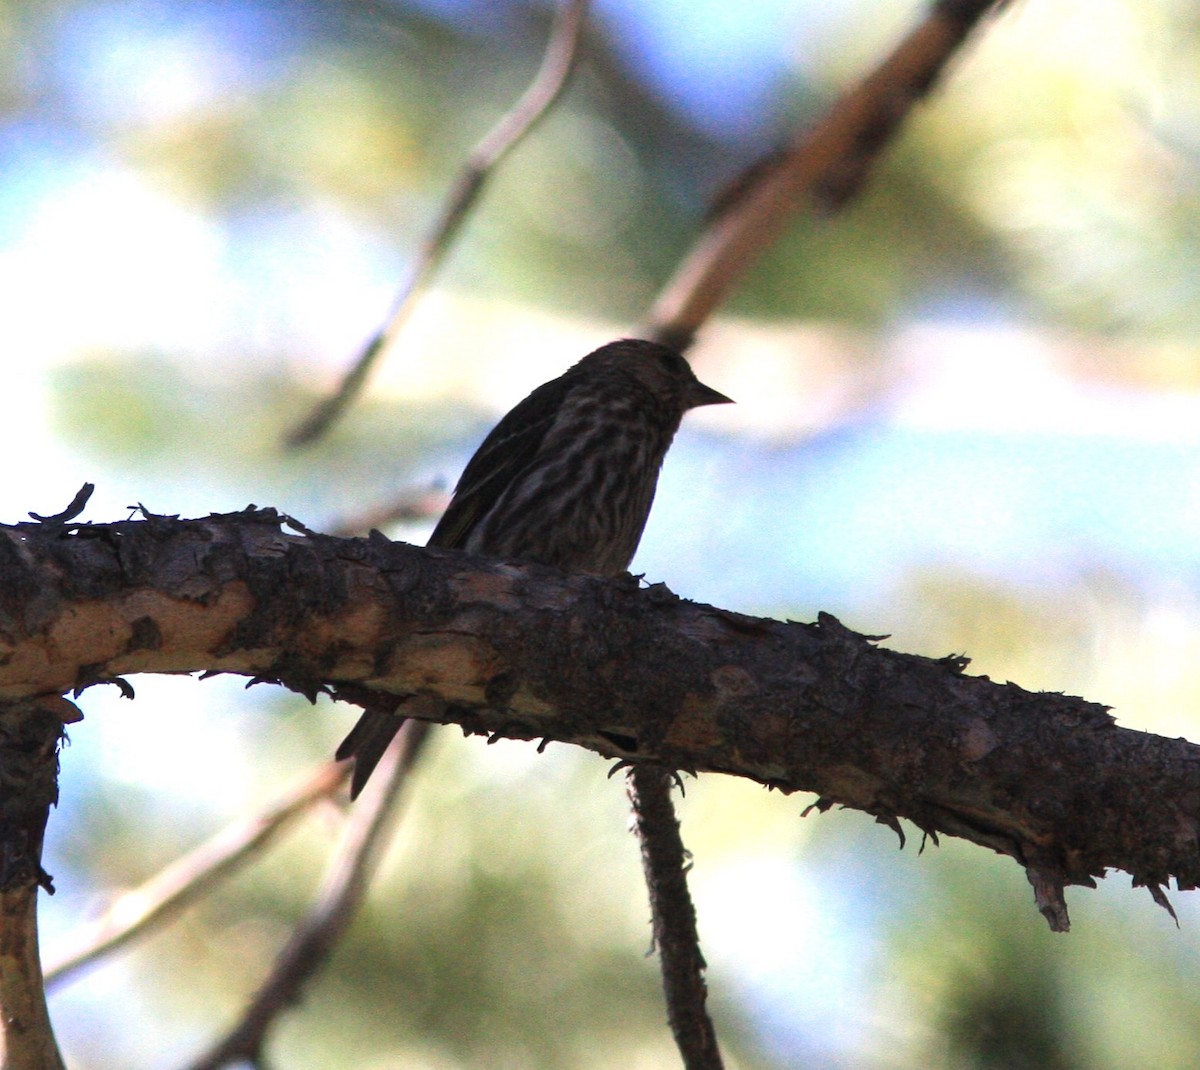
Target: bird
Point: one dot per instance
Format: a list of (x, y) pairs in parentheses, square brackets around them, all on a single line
[(565, 479)]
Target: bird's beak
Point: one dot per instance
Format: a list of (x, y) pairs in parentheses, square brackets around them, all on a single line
[(698, 394)]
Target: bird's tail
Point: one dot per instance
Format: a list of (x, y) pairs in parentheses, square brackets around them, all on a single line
[(366, 742), (377, 727)]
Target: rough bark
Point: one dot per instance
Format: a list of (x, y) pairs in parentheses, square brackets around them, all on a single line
[(29, 734), (629, 671)]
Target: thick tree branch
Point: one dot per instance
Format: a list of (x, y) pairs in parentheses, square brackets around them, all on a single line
[(629, 672)]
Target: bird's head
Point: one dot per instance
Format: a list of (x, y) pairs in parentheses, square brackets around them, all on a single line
[(658, 369)]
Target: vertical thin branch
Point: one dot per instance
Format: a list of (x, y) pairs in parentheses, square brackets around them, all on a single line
[(546, 87), (664, 861)]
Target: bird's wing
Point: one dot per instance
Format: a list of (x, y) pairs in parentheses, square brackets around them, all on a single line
[(506, 452)]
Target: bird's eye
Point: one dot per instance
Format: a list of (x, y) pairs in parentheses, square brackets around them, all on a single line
[(671, 362)]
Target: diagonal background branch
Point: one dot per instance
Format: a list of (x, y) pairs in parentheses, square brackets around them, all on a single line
[(821, 170), (176, 886), (527, 652), (346, 880), (548, 84)]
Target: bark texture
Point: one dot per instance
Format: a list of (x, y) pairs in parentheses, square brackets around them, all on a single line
[(629, 671), (30, 731)]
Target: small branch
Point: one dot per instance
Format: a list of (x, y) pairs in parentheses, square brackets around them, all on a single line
[(548, 84), (30, 732), (664, 861), (165, 895), (822, 170), (76, 506), (346, 879)]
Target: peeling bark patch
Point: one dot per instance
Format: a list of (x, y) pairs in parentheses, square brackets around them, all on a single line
[(459, 667), (693, 727), (732, 681), (537, 709), (492, 588), (61, 708), (976, 739), (351, 640), (144, 634), (852, 786), (500, 689)]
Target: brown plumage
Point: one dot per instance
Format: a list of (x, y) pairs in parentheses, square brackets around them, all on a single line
[(566, 479)]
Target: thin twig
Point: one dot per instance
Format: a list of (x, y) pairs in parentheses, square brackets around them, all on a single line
[(546, 87), (346, 879), (664, 861), (822, 169), (165, 895)]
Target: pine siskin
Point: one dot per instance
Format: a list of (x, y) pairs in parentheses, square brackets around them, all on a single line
[(566, 479)]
